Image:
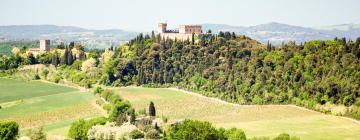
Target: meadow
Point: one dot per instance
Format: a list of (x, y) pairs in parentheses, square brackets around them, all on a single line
[(35, 103), (255, 120)]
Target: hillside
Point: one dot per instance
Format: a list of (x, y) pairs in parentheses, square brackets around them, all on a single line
[(278, 33), (255, 120)]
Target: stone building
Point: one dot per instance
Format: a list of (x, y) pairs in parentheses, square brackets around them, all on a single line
[(44, 47), (184, 32)]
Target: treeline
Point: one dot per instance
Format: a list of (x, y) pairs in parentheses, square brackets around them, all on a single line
[(238, 69)]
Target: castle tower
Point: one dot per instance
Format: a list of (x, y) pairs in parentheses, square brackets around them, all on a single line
[(44, 45), (162, 27)]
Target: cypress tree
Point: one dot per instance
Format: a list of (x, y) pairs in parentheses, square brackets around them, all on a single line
[(69, 57), (132, 116), (152, 111), (54, 60)]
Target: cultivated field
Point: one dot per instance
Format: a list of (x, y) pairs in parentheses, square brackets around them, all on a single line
[(32, 103), (255, 120)]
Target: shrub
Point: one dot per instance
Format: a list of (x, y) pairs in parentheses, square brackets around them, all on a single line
[(79, 129), (136, 134), (235, 134), (152, 134), (37, 134), (107, 107), (152, 111), (9, 130), (132, 116), (113, 98), (106, 94), (192, 129), (0, 107), (118, 108), (142, 123), (98, 90), (285, 136), (122, 118)]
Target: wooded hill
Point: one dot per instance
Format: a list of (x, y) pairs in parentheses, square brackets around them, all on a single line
[(233, 68)]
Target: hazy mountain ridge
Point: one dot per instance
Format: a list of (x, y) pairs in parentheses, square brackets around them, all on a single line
[(91, 38), (278, 33), (274, 32)]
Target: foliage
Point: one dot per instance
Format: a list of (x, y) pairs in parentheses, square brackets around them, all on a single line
[(152, 134), (9, 130), (118, 108), (37, 134), (192, 129), (152, 111), (136, 134), (79, 129), (235, 134), (285, 136)]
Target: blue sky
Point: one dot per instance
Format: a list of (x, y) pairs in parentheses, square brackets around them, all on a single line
[(142, 15)]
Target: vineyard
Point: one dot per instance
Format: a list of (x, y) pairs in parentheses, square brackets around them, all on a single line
[(255, 120), (32, 104)]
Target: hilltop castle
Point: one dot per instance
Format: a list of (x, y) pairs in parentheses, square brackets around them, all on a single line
[(44, 47), (184, 32)]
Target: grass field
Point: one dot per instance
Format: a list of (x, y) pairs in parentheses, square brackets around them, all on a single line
[(255, 120), (33, 103)]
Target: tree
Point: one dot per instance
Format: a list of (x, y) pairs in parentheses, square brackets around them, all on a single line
[(118, 108), (64, 58), (132, 116), (195, 130), (285, 136), (70, 58), (79, 129), (54, 59), (235, 134), (9, 130), (152, 111)]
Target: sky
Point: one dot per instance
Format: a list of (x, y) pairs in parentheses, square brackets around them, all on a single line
[(143, 15)]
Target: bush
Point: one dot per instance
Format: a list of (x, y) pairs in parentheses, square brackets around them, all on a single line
[(136, 134), (192, 129), (37, 134), (0, 107), (118, 108), (285, 136), (9, 130), (142, 123), (152, 134), (107, 107), (98, 90), (79, 129), (235, 134), (122, 118), (106, 94)]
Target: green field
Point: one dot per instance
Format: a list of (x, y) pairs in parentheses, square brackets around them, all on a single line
[(255, 120), (34, 103), (15, 90)]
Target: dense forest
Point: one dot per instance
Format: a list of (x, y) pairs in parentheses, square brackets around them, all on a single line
[(316, 74)]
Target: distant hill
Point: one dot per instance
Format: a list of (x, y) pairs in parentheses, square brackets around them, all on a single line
[(91, 38), (278, 33)]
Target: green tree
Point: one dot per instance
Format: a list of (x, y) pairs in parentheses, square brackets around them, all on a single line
[(9, 130), (118, 108), (193, 130)]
